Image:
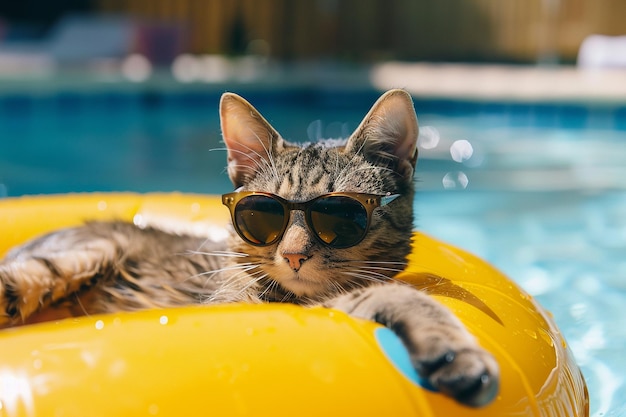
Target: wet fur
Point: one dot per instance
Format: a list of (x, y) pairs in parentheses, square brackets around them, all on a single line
[(106, 267)]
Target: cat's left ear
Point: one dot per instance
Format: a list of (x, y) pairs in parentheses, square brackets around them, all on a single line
[(387, 136)]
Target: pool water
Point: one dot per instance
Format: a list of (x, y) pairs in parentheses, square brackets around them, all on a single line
[(536, 189)]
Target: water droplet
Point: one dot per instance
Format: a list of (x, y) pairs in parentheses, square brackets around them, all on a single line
[(99, 325), (531, 333), (455, 180), (461, 150), (163, 320), (428, 137), (546, 337), (314, 131)]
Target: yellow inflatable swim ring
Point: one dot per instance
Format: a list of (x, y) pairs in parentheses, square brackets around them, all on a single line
[(267, 360)]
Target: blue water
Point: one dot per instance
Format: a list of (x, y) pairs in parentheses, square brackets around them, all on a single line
[(536, 189)]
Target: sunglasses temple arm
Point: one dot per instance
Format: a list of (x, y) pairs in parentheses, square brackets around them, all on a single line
[(388, 199)]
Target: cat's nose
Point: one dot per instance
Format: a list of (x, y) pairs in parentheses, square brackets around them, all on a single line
[(295, 260)]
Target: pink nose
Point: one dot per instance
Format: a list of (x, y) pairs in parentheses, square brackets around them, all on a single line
[(295, 260)]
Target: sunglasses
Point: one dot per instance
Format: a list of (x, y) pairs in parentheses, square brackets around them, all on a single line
[(338, 220)]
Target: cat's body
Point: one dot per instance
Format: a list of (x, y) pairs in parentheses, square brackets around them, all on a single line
[(105, 267)]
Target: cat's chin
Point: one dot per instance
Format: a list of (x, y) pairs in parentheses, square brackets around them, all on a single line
[(302, 287)]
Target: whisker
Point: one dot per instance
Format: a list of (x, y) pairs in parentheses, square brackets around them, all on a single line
[(243, 268), (372, 276), (376, 168), (364, 276), (207, 241), (256, 161), (232, 291), (260, 162), (225, 254), (269, 287), (382, 268), (375, 262), (288, 295), (372, 273), (339, 288), (234, 267), (270, 158), (395, 266), (259, 167), (255, 279)]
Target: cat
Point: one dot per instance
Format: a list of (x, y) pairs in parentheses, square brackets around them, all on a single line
[(334, 225)]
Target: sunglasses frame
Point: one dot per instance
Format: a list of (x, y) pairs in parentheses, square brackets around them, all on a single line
[(369, 202)]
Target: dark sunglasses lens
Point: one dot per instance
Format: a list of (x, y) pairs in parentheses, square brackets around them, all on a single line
[(259, 219), (341, 222)]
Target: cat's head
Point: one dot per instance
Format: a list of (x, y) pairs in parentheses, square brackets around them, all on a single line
[(378, 158)]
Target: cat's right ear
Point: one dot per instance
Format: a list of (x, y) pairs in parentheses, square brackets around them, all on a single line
[(250, 140)]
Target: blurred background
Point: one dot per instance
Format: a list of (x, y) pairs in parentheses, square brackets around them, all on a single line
[(522, 109), (357, 31), (156, 68)]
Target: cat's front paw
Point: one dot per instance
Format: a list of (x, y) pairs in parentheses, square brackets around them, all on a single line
[(469, 375), (446, 357)]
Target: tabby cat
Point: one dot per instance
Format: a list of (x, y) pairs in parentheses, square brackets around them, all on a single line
[(327, 223)]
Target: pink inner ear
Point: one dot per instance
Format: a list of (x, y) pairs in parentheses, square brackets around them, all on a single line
[(399, 117), (389, 127), (403, 130), (250, 140), (244, 144)]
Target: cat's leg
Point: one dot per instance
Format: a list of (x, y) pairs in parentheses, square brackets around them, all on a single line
[(441, 349), (104, 267), (45, 270)]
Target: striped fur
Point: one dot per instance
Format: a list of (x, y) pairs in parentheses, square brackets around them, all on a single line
[(105, 267)]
